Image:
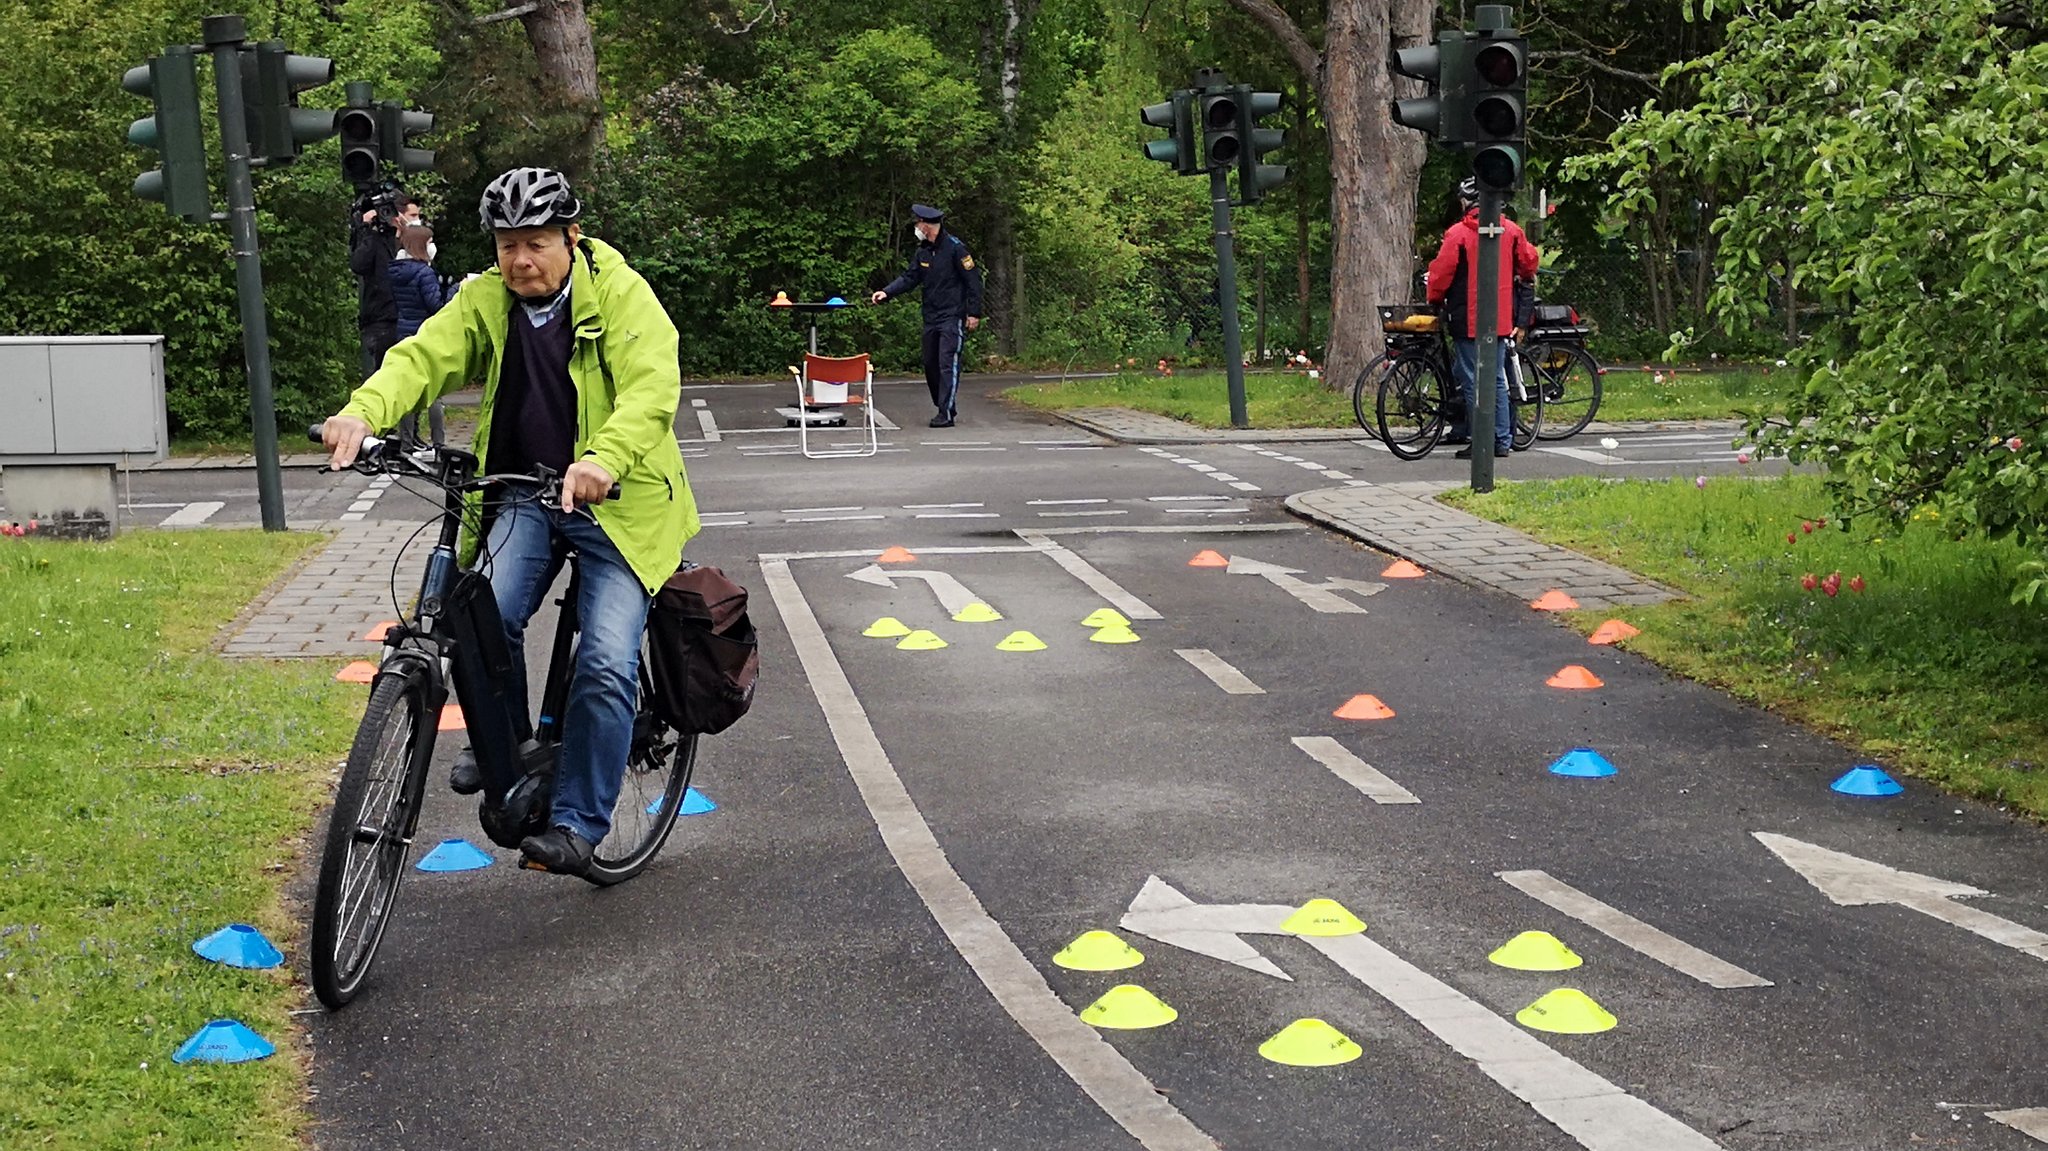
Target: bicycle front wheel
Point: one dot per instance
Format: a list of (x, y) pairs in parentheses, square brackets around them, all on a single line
[(1412, 407), (1525, 400), (1570, 380), (376, 809), (1365, 394), (658, 767)]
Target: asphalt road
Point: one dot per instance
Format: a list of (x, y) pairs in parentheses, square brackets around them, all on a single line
[(855, 949)]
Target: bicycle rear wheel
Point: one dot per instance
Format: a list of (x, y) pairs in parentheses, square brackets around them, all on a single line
[(1365, 393), (658, 770), (1413, 407), (1525, 399), (376, 809), (1571, 388)]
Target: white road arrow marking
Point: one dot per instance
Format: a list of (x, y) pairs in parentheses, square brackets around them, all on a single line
[(1629, 931), (1322, 597), (1600, 1115), (1854, 882), (2029, 1121), (953, 595)]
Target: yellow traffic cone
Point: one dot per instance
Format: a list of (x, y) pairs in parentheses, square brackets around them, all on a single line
[(1310, 1043), (1105, 617), (1535, 951), (1128, 1007), (1021, 641), (888, 627), (1098, 951), (1323, 917), (1114, 633), (921, 640), (977, 613), (1567, 1011)]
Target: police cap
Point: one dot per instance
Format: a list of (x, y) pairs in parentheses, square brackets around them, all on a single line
[(927, 213)]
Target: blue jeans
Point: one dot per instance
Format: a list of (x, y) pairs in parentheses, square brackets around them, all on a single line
[(1467, 367), (523, 555)]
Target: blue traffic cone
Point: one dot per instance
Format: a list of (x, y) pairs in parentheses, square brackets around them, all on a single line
[(223, 1041), (455, 855), (1867, 779), (238, 945), (1582, 763), (694, 803), (836, 302)]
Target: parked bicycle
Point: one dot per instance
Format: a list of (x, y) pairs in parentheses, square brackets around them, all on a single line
[(454, 636), (1412, 392), (1567, 375)]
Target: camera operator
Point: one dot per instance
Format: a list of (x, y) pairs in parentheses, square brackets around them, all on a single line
[(372, 242)]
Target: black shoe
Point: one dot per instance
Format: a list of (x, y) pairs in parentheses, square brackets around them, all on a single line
[(465, 777), (942, 421), (1455, 439), (557, 850), (1501, 453), (1464, 453)]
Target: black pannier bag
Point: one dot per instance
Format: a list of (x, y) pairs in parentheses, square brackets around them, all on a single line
[(703, 656)]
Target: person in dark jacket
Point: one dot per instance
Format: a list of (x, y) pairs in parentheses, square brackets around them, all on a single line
[(372, 242), (416, 293), (1454, 282), (944, 270)]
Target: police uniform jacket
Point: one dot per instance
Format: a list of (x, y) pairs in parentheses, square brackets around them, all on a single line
[(949, 277)]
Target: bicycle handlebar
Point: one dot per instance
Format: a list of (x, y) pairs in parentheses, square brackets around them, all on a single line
[(383, 450)]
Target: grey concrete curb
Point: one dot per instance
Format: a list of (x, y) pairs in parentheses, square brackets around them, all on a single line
[(1133, 427), (1473, 551)]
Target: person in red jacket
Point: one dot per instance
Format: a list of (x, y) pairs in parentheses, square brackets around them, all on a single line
[(1454, 282)]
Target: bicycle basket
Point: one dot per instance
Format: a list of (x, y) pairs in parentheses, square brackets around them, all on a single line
[(1407, 318)]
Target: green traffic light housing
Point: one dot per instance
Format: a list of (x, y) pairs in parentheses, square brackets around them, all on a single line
[(1253, 177), (174, 131), (1499, 77), (1440, 66), (361, 161), (1178, 149), (272, 78), (1221, 144), (395, 124)]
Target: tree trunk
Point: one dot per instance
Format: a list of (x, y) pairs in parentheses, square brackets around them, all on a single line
[(1374, 166), (1303, 300), (559, 31), (1004, 260)]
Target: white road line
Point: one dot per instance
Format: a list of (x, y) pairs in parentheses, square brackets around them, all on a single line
[(194, 514), (1245, 487), (1082, 570), (133, 507), (1056, 441), (350, 517), (358, 506), (962, 443), (1175, 529), (1096, 1067), (1203, 467), (1047, 503), (726, 524), (1287, 459), (974, 449), (809, 511), (1334, 474), (1586, 454), (1205, 511), (1631, 932), (1100, 512), (937, 507), (827, 519), (1076, 448), (1600, 1115), (1309, 465), (1220, 673), (707, 423), (1226, 477), (2028, 1121), (871, 553), (958, 516), (1179, 499), (1353, 770)]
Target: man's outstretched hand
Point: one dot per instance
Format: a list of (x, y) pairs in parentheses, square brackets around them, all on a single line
[(878, 297), (584, 483), (343, 436)]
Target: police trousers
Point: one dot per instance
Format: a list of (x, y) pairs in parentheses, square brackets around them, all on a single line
[(942, 364)]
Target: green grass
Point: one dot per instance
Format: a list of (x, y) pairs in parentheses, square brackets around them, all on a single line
[(1930, 670), (1292, 400), (150, 793)]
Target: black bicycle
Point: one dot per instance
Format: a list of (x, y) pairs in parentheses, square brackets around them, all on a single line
[(1567, 375), (1414, 398), (456, 637)]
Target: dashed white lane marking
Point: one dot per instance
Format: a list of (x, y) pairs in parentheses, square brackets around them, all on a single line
[(959, 515), (1206, 511), (1245, 487), (1334, 474), (952, 443), (1588, 455), (828, 519), (1176, 499), (813, 511), (350, 517), (359, 507), (936, 507), (1207, 469), (1099, 512), (1071, 448), (1056, 443), (1352, 770), (1116, 1086), (968, 449), (1220, 673), (1631, 932), (1226, 477), (2028, 1121), (706, 422), (1050, 503), (151, 507), (1087, 573), (193, 514)]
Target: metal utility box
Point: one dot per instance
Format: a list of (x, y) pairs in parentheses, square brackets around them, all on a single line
[(72, 409)]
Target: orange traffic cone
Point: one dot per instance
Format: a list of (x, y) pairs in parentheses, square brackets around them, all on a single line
[(361, 671), (1208, 559), (1364, 707), (1574, 677), (376, 634), (1402, 569), (896, 555), (1554, 600), (1614, 631)]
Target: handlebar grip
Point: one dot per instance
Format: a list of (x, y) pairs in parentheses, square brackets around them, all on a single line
[(613, 493), (316, 432)]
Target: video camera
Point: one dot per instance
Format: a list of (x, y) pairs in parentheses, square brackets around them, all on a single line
[(383, 199)]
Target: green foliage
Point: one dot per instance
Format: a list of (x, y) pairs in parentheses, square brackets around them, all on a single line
[(1889, 163)]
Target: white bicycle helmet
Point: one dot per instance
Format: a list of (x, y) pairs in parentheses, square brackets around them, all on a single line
[(529, 198)]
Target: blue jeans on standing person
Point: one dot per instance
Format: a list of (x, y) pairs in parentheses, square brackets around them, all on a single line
[(522, 557), (1467, 368)]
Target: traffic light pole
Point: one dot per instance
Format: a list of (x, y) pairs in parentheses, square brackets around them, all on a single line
[(1226, 294), (224, 37), (1487, 328)]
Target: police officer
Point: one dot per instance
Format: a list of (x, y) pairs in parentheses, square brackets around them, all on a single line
[(952, 304)]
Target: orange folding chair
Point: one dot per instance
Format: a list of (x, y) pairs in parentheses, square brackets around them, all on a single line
[(824, 390)]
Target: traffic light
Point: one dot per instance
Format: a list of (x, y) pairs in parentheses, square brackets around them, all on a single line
[(1441, 66), (1221, 123), (394, 125), (1176, 117), (1253, 178), (272, 79), (1499, 98), (362, 161), (171, 81)]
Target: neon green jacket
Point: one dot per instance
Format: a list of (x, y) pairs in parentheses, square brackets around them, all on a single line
[(627, 384)]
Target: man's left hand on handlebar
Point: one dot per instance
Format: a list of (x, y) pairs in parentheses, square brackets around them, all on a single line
[(343, 436), (585, 483)]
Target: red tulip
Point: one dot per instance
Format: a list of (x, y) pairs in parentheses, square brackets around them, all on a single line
[(1809, 581), (1806, 526), (1790, 538), (1856, 583)]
